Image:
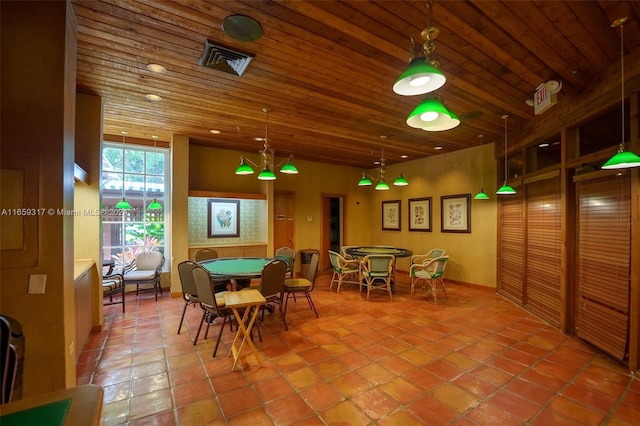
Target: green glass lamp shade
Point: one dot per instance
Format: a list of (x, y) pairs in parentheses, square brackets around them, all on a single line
[(365, 181), (154, 205), (505, 190), (420, 78), (429, 113), (382, 186), (266, 174), (123, 204), (289, 168), (244, 168), (453, 123), (400, 181), (481, 195), (622, 160)]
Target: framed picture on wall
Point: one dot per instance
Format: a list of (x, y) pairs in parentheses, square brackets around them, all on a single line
[(223, 218), (391, 215), (420, 214), (455, 213)]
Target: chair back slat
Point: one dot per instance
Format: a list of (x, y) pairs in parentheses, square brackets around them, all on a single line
[(379, 263), (441, 264)]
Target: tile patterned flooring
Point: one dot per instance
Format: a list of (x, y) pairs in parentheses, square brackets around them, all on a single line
[(472, 359)]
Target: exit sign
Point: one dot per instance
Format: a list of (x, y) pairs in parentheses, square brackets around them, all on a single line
[(543, 99)]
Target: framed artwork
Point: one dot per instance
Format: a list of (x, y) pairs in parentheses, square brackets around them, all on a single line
[(224, 218), (391, 215), (455, 213), (420, 214)]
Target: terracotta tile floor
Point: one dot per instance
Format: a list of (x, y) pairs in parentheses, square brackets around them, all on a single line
[(474, 359)]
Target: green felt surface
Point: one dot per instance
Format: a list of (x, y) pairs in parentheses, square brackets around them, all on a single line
[(236, 267), (364, 251), (52, 414)]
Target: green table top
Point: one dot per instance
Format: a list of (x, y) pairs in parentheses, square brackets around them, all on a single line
[(367, 250), (236, 267)]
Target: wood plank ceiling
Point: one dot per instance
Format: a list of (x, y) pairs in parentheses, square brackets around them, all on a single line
[(325, 69)]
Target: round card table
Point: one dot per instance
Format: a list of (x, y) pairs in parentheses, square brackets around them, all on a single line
[(236, 267)]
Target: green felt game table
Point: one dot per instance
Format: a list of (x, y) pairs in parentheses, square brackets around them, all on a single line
[(368, 250), (236, 267)]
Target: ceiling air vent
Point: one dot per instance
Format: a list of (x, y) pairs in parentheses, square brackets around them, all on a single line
[(225, 59)]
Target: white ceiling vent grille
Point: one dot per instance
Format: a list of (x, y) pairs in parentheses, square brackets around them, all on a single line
[(224, 59)]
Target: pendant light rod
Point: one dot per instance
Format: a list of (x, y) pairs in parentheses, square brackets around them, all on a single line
[(123, 203), (505, 189), (481, 195), (622, 159)]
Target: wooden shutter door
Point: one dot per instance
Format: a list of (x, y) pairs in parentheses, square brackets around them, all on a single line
[(542, 288), (604, 250), (510, 265)]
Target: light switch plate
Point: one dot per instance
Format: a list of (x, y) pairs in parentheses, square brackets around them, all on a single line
[(37, 283)]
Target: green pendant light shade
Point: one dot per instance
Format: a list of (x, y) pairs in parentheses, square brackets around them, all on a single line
[(364, 181), (400, 181), (420, 78), (622, 160), (289, 168), (382, 186), (481, 195), (154, 205), (244, 168), (266, 174), (123, 204), (505, 190), (431, 115)]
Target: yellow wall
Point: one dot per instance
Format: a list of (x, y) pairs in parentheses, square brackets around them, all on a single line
[(473, 255)]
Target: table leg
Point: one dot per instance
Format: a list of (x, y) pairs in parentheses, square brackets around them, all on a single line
[(244, 330)]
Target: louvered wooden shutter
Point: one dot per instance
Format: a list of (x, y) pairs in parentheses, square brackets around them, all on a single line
[(542, 288), (604, 250), (511, 265)]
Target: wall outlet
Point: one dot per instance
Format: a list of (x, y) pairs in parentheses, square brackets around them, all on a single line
[(37, 283)]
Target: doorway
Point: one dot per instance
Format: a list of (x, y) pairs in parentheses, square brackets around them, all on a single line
[(283, 209), (332, 227)]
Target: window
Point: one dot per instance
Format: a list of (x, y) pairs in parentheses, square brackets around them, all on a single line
[(140, 174)]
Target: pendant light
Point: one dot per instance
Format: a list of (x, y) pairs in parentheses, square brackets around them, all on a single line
[(267, 159), (154, 205), (423, 75), (481, 195), (123, 204), (622, 159), (505, 189), (431, 115), (382, 184)]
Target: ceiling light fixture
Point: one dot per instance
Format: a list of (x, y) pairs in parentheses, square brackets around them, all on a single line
[(481, 195), (154, 205), (505, 189), (622, 159), (431, 115), (123, 204), (156, 68), (382, 185), (268, 160), (153, 98), (423, 75)]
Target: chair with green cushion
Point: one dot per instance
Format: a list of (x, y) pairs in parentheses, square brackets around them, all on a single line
[(431, 271), (346, 271), (293, 286), (212, 304), (424, 258), (377, 270)]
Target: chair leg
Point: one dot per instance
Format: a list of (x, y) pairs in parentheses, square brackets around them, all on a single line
[(122, 295), (215, 350), (182, 317), (443, 289), (313, 306), (204, 314)]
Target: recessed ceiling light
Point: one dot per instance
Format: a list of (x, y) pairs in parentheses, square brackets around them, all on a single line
[(214, 131), (259, 139), (437, 147), (156, 68), (124, 132), (154, 136), (543, 145), (404, 156), (153, 98)]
